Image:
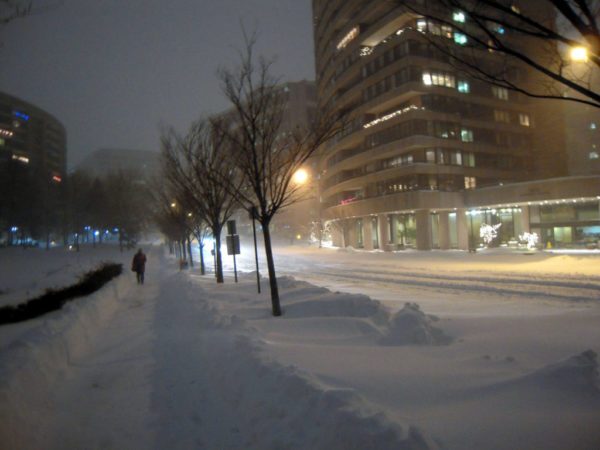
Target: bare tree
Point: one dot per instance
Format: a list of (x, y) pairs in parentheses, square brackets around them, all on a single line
[(14, 9), (265, 155), (201, 171), (169, 216), (538, 34)]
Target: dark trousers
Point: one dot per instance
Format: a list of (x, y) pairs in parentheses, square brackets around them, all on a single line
[(140, 277)]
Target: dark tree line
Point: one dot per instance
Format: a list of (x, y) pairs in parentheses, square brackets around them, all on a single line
[(35, 210)]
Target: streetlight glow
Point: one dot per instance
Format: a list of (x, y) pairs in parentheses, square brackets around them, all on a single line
[(579, 54), (300, 176)]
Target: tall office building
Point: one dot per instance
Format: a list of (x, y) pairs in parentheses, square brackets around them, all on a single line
[(431, 154), (33, 138), (33, 153)]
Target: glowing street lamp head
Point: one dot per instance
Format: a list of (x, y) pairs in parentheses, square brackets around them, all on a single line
[(300, 176), (579, 54)]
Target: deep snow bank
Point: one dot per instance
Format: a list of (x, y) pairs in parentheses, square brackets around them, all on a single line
[(270, 406), (409, 326), (577, 376), (30, 365)]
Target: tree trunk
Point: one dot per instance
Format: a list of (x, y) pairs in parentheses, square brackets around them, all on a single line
[(189, 245), (201, 249), (219, 271), (271, 267)]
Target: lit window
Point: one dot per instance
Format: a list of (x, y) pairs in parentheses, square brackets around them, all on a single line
[(459, 17), (524, 119), (464, 87), (5, 133), (348, 37), (2, 142), (500, 92), (422, 25), (430, 156), (439, 79), (466, 135), (22, 159), (460, 38), (592, 126), (470, 183), (447, 31), (456, 158), (594, 155)]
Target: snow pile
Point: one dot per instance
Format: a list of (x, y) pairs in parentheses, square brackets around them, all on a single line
[(410, 325), (577, 375), (32, 363)]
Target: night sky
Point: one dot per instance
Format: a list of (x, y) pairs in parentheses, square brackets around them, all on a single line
[(114, 71)]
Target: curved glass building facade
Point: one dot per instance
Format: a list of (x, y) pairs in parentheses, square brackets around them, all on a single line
[(423, 136)]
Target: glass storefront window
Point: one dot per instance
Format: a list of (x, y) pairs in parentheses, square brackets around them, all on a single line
[(403, 230), (361, 233), (452, 230), (375, 232)]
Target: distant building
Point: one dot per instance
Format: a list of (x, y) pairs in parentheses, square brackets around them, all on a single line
[(431, 154), (33, 138), (294, 223), (33, 152), (103, 161)]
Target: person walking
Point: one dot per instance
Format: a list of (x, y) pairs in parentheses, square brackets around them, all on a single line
[(138, 265)]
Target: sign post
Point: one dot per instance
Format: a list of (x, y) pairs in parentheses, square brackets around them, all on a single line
[(233, 244)]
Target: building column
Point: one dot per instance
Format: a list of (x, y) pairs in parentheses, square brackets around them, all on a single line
[(368, 233), (444, 231), (352, 234), (384, 232), (423, 223), (525, 219), (462, 229), (337, 234)]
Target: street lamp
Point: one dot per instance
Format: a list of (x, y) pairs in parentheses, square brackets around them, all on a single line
[(300, 176), (579, 54)]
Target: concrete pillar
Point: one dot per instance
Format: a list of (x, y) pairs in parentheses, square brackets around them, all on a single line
[(384, 231), (525, 219), (462, 229), (444, 231), (423, 223), (337, 235), (352, 234), (368, 232)]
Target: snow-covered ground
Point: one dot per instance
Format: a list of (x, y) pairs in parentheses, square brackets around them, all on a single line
[(494, 350)]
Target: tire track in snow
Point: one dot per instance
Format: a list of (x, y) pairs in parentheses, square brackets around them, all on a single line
[(571, 290)]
